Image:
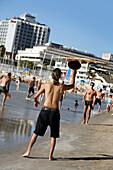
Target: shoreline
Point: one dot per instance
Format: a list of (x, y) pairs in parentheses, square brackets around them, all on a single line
[(79, 147)]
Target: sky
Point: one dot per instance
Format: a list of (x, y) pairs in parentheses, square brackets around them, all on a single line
[(86, 25)]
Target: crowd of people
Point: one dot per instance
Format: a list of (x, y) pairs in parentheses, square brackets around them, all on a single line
[(54, 93)]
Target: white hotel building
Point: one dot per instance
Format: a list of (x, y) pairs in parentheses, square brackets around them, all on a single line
[(20, 33)]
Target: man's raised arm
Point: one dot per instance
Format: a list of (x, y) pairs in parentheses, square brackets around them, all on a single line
[(68, 87)]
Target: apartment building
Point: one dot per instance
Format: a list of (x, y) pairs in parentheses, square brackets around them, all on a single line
[(20, 33)]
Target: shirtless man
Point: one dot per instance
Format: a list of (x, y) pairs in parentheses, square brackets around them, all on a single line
[(31, 88), (89, 102), (4, 86), (49, 114), (98, 99)]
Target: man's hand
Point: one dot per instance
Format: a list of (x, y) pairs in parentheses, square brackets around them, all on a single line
[(36, 103), (83, 101), (93, 104)]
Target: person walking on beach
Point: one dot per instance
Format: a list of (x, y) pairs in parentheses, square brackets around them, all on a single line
[(109, 103), (89, 102), (31, 88), (4, 86), (98, 99), (49, 114), (18, 81), (42, 94)]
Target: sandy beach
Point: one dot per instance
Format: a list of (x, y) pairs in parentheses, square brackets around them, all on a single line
[(79, 147)]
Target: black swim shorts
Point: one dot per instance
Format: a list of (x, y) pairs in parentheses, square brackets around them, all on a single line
[(61, 98), (3, 89), (89, 103), (48, 117), (31, 89), (98, 101)]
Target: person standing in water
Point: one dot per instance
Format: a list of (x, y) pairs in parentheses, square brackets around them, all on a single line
[(31, 88), (18, 81), (76, 105), (4, 86), (98, 99), (109, 103), (89, 102), (49, 114)]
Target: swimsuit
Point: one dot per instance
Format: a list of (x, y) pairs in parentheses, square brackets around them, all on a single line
[(61, 98), (3, 89), (31, 89), (48, 117), (18, 83), (89, 103), (98, 101), (76, 105), (109, 101)]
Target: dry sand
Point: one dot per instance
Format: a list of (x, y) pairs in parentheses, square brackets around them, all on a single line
[(80, 147)]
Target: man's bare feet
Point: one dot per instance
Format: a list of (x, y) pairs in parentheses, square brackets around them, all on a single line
[(26, 154), (86, 123), (83, 122)]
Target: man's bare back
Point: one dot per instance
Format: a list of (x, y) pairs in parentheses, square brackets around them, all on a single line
[(4, 81), (99, 95), (53, 93)]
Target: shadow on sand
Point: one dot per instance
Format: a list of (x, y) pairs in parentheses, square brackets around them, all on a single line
[(101, 124), (88, 158)]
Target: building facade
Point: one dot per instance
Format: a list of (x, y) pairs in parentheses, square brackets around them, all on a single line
[(54, 55), (107, 56), (51, 52), (20, 33)]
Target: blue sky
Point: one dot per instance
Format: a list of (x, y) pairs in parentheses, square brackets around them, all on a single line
[(83, 24)]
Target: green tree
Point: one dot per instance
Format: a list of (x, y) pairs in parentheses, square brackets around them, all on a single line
[(91, 73)]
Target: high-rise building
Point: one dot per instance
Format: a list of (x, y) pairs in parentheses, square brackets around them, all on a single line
[(20, 33)]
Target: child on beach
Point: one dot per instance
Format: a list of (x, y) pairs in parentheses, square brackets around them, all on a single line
[(109, 104), (18, 81), (76, 105)]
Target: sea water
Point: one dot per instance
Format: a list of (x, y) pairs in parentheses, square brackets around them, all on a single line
[(18, 117)]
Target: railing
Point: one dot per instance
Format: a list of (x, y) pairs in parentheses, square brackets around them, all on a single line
[(45, 74)]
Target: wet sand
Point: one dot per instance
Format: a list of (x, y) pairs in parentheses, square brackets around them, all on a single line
[(84, 147)]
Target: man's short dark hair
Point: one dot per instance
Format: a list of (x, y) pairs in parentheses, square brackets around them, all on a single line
[(9, 74), (33, 77), (100, 90), (92, 83), (56, 74)]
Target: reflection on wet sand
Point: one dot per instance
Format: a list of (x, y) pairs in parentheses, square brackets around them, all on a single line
[(14, 129)]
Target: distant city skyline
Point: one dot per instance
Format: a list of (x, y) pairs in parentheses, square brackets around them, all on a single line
[(84, 25)]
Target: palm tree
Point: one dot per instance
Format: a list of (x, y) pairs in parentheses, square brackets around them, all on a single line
[(91, 73)]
